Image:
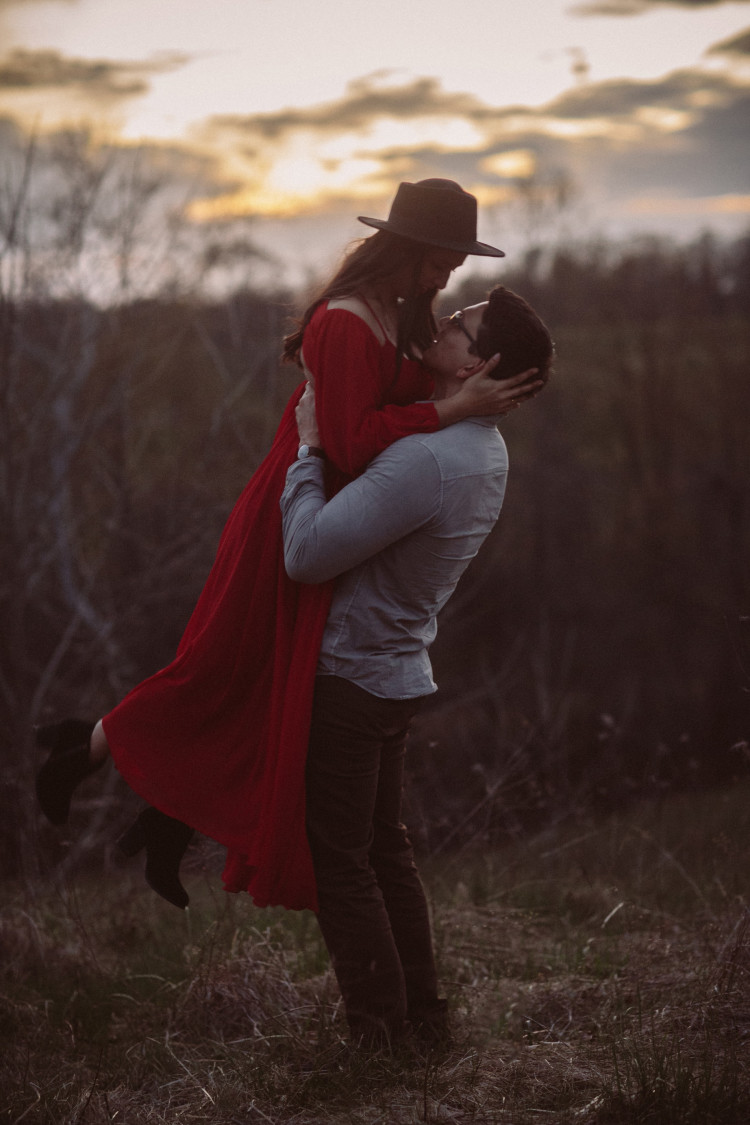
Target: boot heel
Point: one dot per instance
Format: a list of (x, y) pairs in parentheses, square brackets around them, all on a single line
[(165, 840)]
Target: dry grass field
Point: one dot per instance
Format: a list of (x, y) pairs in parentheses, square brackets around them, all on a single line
[(595, 977)]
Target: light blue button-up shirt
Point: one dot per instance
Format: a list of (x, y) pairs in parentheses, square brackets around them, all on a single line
[(398, 538)]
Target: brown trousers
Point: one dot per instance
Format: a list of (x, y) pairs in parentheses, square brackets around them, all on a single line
[(372, 908)]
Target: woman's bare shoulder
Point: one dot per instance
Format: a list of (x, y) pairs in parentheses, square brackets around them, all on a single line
[(357, 306), (354, 305)]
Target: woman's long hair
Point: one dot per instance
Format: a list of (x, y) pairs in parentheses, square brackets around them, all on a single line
[(371, 260)]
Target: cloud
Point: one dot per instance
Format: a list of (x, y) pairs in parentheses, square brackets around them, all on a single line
[(658, 106), (23, 70), (599, 146), (684, 91), (682, 135), (687, 134), (177, 170), (679, 139), (354, 147), (366, 99), (638, 7), (737, 45)]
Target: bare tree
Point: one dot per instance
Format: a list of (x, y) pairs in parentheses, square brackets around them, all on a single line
[(105, 390)]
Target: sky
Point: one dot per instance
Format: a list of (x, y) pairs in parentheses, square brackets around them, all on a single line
[(565, 118)]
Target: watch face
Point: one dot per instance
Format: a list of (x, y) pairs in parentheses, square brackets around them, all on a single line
[(306, 450)]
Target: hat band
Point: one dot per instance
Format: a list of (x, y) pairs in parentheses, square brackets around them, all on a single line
[(429, 229)]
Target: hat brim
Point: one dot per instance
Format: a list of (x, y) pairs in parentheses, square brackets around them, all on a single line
[(479, 249)]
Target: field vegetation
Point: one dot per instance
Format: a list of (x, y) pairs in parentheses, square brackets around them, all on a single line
[(595, 651), (598, 976)]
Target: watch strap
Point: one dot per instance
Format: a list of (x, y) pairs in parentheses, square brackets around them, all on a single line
[(306, 450)]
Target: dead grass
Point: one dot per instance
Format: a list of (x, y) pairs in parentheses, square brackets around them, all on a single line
[(598, 978)]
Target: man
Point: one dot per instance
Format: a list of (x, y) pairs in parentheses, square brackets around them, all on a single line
[(398, 538)]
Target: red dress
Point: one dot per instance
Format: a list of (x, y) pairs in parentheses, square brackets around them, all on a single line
[(218, 738)]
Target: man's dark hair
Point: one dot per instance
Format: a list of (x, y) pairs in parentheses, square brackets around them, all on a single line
[(510, 326)]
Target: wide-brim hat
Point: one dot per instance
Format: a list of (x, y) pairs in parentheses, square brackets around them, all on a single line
[(436, 212)]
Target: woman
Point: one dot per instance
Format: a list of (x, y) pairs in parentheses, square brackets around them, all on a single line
[(217, 740)]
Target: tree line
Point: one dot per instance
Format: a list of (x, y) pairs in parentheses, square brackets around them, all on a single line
[(595, 650)]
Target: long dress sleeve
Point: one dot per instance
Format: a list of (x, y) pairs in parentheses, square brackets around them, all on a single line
[(361, 404)]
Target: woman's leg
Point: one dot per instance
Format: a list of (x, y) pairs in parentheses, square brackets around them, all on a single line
[(98, 745), (76, 750)]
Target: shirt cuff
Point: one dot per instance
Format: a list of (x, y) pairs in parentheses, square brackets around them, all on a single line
[(306, 468)]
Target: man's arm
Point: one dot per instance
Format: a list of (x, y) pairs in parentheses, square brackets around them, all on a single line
[(397, 493)]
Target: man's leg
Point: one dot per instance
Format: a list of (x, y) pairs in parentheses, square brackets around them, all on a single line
[(392, 858), (351, 730)]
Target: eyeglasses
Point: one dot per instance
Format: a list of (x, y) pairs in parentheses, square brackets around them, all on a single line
[(458, 319)]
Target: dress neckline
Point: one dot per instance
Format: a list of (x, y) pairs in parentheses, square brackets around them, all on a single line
[(380, 324)]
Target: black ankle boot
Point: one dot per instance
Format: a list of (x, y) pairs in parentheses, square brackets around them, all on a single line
[(68, 764), (165, 840)]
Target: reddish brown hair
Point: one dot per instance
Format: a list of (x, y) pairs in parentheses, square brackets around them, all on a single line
[(371, 260)]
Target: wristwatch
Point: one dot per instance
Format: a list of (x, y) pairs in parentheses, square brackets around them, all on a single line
[(309, 451)]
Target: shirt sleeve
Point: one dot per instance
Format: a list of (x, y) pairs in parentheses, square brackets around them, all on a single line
[(355, 419), (398, 493)]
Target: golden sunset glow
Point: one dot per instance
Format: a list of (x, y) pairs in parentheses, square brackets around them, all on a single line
[(667, 120), (292, 183), (516, 164), (301, 112), (718, 205)]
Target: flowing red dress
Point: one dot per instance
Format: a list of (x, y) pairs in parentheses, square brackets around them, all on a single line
[(218, 739)]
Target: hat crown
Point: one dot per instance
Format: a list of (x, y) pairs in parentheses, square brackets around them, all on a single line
[(433, 211), (436, 212)]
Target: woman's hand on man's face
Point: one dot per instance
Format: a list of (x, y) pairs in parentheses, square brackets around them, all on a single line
[(484, 395), (307, 425)]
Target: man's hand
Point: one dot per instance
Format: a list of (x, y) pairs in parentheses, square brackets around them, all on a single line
[(481, 396), (307, 425)]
